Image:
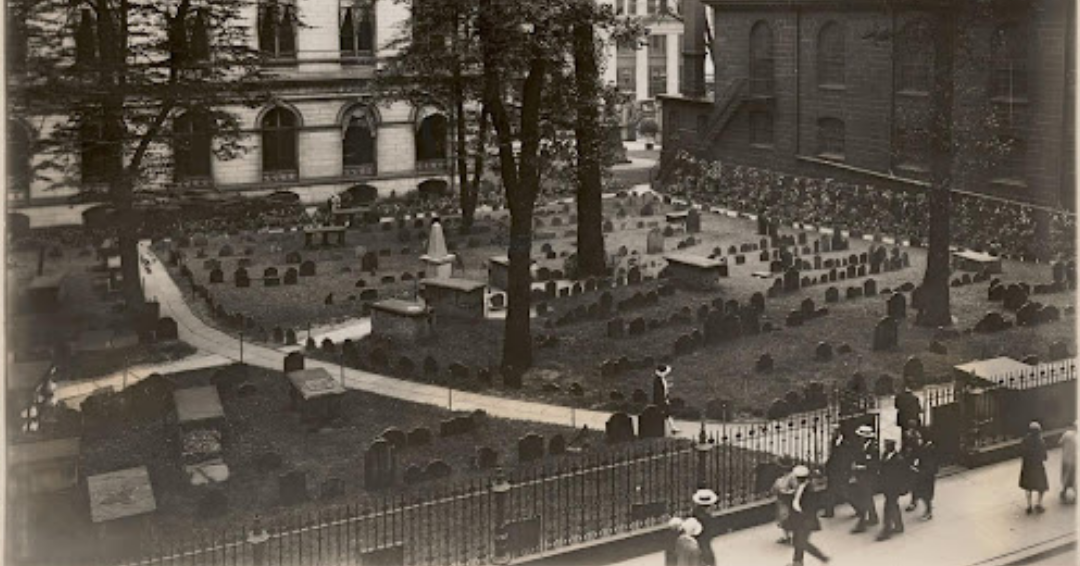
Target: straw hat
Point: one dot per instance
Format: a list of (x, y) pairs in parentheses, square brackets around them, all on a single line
[(801, 471), (663, 370), (675, 524), (705, 497), (692, 527), (865, 431)]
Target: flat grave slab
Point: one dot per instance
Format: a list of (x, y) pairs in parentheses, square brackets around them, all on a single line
[(197, 404), (993, 368), (120, 494), (314, 383), (968, 260)]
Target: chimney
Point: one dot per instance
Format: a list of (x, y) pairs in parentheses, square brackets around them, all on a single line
[(693, 50)]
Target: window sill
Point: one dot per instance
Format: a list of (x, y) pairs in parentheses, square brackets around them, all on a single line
[(1021, 100), (1009, 183), (768, 146), (280, 61), (363, 58), (837, 157), (191, 182), (280, 176), (913, 93), (833, 87)]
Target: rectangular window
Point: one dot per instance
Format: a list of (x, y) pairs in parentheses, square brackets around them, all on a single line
[(357, 29), (625, 68)]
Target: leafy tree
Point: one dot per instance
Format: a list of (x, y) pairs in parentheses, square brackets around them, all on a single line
[(107, 77)]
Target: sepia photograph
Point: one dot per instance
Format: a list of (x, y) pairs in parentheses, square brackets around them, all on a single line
[(540, 282)]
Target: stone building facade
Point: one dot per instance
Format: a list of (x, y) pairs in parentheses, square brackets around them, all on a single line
[(842, 90), (322, 134)]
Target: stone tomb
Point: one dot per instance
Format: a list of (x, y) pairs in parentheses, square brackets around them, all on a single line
[(201, 423), (456, 298), (404, 320), (968, 260), (48, 466), (695, 271), (499, 272), (315, 394)]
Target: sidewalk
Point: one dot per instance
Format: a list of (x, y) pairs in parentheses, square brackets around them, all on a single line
[(978, 519)]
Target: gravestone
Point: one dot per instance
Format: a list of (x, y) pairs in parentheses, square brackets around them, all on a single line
[(693, 222), (166, 329), (292, 488), (896, 307), (307, 269), (619, 428), (530, 447), (270, 277), (291, 276), (654, 243), (823, 352), (294, 362), (807, 307), (1059, 350), (241, 279), (396, 437), (380, 465), (870, 288), (216, 275), (886, 334), (764, 363), (633, 276), (791, 280), (486, 458), (832, 295), (1015, 296), (651, 422), (557, 445), (370, 262), (914, 372)]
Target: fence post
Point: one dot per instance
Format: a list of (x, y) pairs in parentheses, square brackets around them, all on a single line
[(703, 447), (500, 489), (257, 538)]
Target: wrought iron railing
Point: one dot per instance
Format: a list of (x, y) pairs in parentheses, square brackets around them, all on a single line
[(537, 509)]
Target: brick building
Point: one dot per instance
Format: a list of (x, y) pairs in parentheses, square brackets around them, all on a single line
[(323, 134), (842, 90)]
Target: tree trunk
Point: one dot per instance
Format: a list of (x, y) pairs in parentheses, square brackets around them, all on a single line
[(478, 161), (517, 338), (467, 194), (935, 309), (591, 259)]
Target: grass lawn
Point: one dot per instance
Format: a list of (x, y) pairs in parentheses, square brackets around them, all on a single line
[(264, 422), (724, 371), (86, 305)]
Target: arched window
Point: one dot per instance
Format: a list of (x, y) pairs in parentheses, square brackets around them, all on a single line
[(761, 59), (830, 55), (191, 146), (279, 131), (358, 142), (277, 30), (99, 159), (431, 135), (357, 31), (831, 138), (18, 159), (1008, 56), (915, 57)]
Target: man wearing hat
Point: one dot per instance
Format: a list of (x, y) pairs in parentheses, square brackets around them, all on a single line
[(703, 500), (894, 483), (803, 520), (864, 468), (662, 394), (837, 472), (908, 413)]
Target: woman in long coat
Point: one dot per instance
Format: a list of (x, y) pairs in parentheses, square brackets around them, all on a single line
[(1032, 467)]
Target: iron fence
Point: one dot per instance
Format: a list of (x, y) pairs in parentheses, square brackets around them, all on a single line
[(537, 509), (974, 413)]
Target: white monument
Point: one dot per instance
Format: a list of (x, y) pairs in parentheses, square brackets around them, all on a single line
[(438, 263)]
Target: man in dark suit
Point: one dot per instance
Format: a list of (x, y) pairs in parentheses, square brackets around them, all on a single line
[(908, 411), (895, 477), (837, 472), (864, 467), (803, 519)]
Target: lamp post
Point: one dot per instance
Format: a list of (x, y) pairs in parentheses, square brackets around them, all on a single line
[(703, 447), (500, 488)]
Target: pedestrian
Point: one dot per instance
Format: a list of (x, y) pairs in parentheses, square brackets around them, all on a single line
[(671, 550), (864, 467), (1032, 467), (1068, 463), (703, 500), (925, 467), (783, 490), (688, 549), (894, 481), (909, 449), (804, 520), (662, 394), (837, 473), (908, 411)]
